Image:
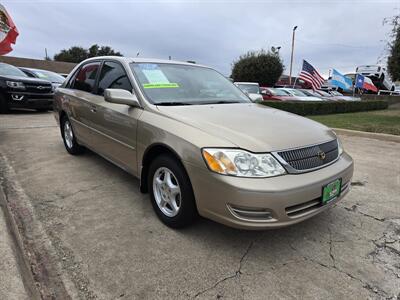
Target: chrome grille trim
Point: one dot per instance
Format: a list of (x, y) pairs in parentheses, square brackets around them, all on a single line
[(306, 159), (34, 87), (302, 209)]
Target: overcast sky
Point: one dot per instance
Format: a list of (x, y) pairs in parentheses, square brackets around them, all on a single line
[(340, 34)]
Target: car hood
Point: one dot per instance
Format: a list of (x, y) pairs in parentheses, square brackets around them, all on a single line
[(250, 126), (25, 79), (308, 98)]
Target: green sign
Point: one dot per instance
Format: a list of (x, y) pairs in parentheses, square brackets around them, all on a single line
[(160, 85)]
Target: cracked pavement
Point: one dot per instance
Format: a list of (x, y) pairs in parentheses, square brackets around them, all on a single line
[(108, 243)]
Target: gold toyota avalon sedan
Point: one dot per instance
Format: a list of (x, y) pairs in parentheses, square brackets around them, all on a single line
[(198, 144)]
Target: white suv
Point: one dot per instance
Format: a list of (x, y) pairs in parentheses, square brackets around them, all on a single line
[(252, 89), (378, 75)]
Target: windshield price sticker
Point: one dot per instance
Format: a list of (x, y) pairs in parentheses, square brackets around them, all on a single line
[(160, 85), (153, 73)]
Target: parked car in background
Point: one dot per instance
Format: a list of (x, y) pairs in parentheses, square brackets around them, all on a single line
[(378, 75), (321, 94), (340, 96), (199, 145), (325, 95), (312, 93), (17, 90), (252, 89), (301, 96), (53, 77), (274, 94)]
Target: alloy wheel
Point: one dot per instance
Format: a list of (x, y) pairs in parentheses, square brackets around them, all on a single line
[(167, 192), (68, 134)]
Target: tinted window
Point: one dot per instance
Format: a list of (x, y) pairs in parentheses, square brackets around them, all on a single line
[(29, 74), (86, 77), (113, 76)]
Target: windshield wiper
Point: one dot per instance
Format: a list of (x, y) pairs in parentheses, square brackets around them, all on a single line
[(172, 103), (220, 102)]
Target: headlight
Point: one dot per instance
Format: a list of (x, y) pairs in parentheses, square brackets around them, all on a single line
[(15, 85), (241, 163), (340, 146)]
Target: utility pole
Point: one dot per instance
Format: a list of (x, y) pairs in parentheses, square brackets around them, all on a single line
[(45, 52), (291, 57)]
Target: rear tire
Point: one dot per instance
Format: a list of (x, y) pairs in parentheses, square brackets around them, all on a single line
[(171, 192), (4, 108), (68, 136)]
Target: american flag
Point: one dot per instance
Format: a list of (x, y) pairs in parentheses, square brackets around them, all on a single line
[(311, 75)]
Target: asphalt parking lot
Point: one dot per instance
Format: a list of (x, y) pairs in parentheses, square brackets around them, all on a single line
[(91, 234)]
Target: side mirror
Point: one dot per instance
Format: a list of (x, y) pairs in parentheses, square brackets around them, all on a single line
[(120, 96), (265, 92), (255, 97)]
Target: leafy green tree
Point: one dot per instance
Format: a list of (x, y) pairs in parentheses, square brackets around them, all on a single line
[(77, 54), (394, 49), (74, 54), (96, 50), (261, 66)]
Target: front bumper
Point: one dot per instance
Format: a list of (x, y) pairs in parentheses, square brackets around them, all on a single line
[(261, 203), (30, 100)]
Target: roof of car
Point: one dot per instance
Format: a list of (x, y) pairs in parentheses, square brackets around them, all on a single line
[(242, 82), (34, 69), (144, 60)]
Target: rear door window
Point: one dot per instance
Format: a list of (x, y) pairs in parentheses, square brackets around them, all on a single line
[(113, 76), (85, 79)]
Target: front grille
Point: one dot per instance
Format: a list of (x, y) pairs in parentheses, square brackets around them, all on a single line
[(38, 88), (303, 208), (311, 157)]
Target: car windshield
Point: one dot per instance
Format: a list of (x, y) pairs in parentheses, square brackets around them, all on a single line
[(8, 70), (325, 94), (175, 84), (279, 92), (250, 88), (309, 93), (297, 93), (47, 75)]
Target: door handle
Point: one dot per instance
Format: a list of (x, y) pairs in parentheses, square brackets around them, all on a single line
[(93, 109)]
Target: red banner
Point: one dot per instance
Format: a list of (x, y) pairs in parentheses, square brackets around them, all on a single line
[(8, 31)]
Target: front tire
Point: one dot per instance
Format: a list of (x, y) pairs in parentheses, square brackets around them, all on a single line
[(68, 136), (4, 108), (171, 192)]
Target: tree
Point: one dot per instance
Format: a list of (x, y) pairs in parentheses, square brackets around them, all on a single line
[(77, 54), (74, 54), (394, 49), (96, 50), (262, 67)]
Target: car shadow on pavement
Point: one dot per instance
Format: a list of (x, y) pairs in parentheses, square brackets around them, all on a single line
[(22, 111)]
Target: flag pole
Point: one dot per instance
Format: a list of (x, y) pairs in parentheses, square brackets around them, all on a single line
[(291, 56)]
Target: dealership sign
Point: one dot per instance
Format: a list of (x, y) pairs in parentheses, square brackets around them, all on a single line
[(8, 31)]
